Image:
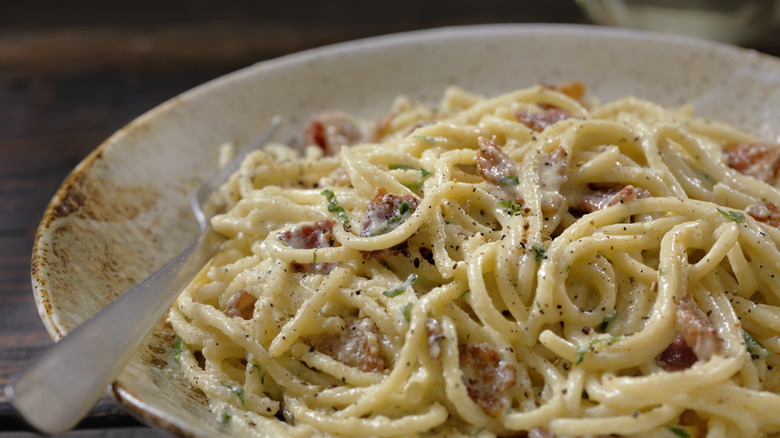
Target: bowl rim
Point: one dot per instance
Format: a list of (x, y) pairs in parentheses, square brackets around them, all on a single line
[(124, 396)]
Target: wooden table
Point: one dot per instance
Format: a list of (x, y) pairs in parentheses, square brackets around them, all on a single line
[(72, 73)]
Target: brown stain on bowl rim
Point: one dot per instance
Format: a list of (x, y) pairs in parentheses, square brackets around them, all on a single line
[(83, 196)]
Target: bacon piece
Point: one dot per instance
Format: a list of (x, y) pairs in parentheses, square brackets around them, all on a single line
[(696, 329), (540, 120), (603, 196), (357, 346), (330, 130), (487, 377), (434, 336), (310, 235), (696, 338), (241, 303), (677, 356), (497, 167), (381, 128), (573, 89), (759, 160), (384, 213), (766, 212)]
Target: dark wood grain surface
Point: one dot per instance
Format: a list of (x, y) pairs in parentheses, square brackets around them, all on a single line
[(72, 73)]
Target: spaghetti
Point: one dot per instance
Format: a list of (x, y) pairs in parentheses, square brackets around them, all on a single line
[(523, 264)]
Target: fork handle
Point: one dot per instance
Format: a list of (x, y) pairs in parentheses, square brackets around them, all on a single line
[(60, 386)]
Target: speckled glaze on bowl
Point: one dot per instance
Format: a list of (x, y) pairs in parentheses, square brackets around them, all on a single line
[(124, 210)]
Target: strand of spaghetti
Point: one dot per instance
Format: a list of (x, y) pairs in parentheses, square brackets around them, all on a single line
[(407, 357), (375, 426), (295, 327), (618, 424)]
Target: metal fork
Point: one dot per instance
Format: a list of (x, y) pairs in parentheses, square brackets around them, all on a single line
[(60, 386)]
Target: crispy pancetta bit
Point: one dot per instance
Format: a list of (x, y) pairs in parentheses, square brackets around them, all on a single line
[(766, 212), (602, 196), (537, 121), (498, 168), (310, 235), (356, 346), (332, 129), (241, 304), (551, 114), (574, 89), (488, 378), (696, 338), (384, 213), (759, 160)]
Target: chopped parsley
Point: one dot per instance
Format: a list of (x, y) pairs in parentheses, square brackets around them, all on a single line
[(584, 348), (416, 184), (539, 249), (511, 180), (237, 390), (408, 311), (410, 280), (178, 347), (334, 207), (736, 216), (256, 368), (511, 207), (679, 431), (756, 349), (430, 140), (225, 416), (404, 211), (609, 317)]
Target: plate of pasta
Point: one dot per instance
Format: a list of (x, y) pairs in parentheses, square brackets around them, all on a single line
[(514, 230)]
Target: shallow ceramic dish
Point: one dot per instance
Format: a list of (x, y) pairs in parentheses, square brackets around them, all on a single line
[(124, 210)]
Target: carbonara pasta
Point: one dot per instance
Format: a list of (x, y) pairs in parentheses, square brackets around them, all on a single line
[(526, 264)]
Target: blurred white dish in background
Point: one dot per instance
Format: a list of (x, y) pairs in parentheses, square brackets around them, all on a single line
[(727, 21)]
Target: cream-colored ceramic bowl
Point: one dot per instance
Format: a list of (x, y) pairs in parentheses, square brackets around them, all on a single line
[(124, 211)]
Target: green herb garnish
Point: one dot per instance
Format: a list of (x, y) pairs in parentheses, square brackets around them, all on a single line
[(430, 140), (237, 390), (756, 349), (178, 347), (678, 431), (539, 249), (404, 211), (256, 368), (511, 207), (414, 185), (225, 416), (609, 317), (736, 216), (511, 180), (334, 207), (408, 311), (584, 348), (400, 166), (410, 280)]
